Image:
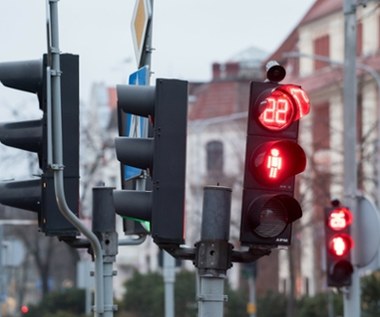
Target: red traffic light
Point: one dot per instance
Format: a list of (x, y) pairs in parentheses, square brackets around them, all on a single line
[(24, 309), (273, 162), (339, 218), (340, 244), (281, 106)]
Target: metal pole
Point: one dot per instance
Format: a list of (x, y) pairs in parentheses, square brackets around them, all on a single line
[(2, 271), (252, 295), (104, 226), (213, 251), (169, 280), (352, 297), (146, 59), (57, 157)]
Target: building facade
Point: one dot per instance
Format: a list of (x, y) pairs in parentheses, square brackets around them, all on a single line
[(313, 55)]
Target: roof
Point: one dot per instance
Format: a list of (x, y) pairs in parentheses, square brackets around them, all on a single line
[(318, 10), (214, 99)]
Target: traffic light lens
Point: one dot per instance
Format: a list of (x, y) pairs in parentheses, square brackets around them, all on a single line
[(341, 271), (277, 111), (273, 162), (339, 219), (340, 245), (273, 219)]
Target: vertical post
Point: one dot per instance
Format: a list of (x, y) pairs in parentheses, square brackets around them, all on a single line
[(352, 297), (57, 151), (169, 280), (251, 309), (2, 271), (104, 227), (147, 54), (213, 251)]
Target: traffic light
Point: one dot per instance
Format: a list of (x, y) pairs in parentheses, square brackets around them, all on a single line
[(339, 244), (162, 156), (273, 158), (38, 194)]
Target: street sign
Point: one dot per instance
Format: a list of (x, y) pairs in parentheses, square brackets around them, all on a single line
[(141, 18), (135, 126), (368, 231)]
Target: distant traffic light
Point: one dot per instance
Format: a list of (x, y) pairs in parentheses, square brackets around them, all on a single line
[(38, 194), (339, 244), (24, 309), (162, 157), (273, 158)]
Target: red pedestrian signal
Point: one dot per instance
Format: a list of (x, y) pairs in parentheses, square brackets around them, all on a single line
[(273, 158), (273, 162), (339, 244)]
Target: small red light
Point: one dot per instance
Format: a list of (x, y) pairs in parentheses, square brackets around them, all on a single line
[(274, 163), (340, 218), (277, 111), (24, 309), (339, 245)]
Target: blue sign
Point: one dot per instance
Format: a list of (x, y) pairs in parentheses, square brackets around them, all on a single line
[(135, 125)]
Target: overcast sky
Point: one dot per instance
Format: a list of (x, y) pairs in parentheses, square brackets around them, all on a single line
[(188, 35)]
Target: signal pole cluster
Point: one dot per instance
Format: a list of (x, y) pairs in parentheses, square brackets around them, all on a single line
[(273, 159)]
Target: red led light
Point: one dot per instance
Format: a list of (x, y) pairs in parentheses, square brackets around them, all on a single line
[(284, 105), (24, 309), (339, 245), (277, 111), (274, 163), (339, 219)]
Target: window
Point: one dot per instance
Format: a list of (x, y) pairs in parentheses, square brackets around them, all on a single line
[(321, 127), (214, 158), (359, 39), (322, 48)]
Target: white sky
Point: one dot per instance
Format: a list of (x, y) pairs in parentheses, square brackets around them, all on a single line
[(188, 35)]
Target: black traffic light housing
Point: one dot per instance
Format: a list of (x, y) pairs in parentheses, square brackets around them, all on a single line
[(38, 194), (273, 158), (338, 245), (162, 156)]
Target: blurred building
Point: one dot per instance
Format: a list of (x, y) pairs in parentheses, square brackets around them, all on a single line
[(313, 55)]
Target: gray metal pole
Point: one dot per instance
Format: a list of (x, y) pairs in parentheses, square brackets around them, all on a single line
[(104, 226), (57, 164), (352, 297), (212, 258), (147, 55), (169, 280)]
